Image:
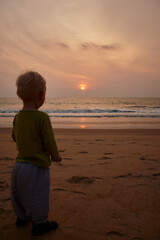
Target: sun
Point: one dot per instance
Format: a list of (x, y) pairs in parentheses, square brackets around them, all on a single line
[(83, 87)]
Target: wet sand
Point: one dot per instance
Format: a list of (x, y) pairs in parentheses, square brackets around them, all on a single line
[(107, 187)]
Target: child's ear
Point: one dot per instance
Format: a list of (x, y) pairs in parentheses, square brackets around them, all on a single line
[(41, 94)]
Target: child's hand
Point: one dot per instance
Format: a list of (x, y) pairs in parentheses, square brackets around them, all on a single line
[(60, 159)]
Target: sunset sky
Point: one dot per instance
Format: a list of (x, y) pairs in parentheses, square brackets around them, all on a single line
[(110, 46)]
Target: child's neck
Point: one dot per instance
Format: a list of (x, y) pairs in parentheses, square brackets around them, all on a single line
[(29, 106)]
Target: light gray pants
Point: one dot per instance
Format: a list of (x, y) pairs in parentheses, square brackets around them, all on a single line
[(30, 186)]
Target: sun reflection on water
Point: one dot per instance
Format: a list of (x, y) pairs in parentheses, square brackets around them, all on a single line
[(83, 123), (82, 126)]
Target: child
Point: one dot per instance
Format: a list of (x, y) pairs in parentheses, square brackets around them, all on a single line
[(33, 134)]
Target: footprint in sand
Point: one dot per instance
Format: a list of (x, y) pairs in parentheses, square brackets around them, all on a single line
[(137, 238), (83, 152), (108, 153), (114, 233), (148, 159), (3, 185), (104, 158), (100, 140), (104, 163), (156, 174), (151, 169), (80, 179), (135, 176), (65, 190), (7, 158), (123, 176), (143, 158), (99, 178), (60, 164), (60, 189), (60, 139), (7, 199), (63, 150), (67, 158)]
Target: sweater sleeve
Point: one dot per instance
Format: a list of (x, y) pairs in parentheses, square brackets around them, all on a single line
[(13, 133), (49, 139)]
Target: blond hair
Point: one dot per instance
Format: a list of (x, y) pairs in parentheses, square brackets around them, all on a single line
[(29, 85)]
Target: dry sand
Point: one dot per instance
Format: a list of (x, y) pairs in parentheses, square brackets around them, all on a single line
[(107, 186)]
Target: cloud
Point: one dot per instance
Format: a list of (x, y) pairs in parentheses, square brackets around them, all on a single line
[(63, 45), (110, 47), (86, 46)]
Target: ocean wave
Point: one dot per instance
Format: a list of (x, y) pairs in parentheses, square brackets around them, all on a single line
[(144, 107), (88, 111), (136, 106), (9, 111), (94, 110), (76, 111), (92, 116), (93, 113), (104, 116)]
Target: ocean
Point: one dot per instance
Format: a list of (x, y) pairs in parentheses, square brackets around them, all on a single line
[(101, 113)]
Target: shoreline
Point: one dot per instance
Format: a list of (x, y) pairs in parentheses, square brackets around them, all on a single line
[(154, 131), (96, 123)]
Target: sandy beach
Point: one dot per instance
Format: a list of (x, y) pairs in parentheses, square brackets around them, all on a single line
[(106, 188)]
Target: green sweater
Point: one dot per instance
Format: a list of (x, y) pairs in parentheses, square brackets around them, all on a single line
[(33, 134)]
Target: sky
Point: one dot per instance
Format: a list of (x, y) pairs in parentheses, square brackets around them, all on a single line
[(111, 46)]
